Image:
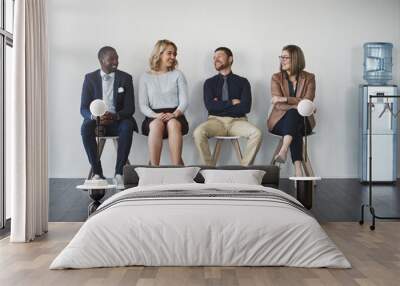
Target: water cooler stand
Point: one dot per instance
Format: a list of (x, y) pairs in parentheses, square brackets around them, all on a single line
[(384, 134)]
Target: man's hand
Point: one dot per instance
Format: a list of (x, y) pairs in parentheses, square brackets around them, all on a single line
[(105, 121), (108, 118), (112, 116), (277, 99), (235, 101)]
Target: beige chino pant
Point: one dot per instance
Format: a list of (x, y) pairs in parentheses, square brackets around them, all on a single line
[(227, 126)]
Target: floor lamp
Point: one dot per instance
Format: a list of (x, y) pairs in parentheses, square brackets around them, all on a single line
[(98, 108), (305, 108), (305, 185)]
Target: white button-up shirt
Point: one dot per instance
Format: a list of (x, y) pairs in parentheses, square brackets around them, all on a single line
[(108, 90)]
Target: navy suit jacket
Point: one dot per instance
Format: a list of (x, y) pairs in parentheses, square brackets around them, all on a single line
[(238, 88), (124, 101)]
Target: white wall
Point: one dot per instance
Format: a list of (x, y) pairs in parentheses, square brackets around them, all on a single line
[(330, 32)]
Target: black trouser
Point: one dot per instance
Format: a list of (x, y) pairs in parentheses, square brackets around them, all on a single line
[(123, 129), (292, 123)]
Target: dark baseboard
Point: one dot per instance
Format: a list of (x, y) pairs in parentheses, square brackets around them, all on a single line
[(334, 199)]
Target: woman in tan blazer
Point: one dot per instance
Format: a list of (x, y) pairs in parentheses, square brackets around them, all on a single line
[(288, 88)]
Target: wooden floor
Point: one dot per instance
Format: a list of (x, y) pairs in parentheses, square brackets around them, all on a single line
[(374, 255)]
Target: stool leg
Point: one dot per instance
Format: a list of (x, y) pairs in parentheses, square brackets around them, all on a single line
[(217, 151), (308, 168), (115, 143), (102, 142), (306, 164), (277, 149), (236, 146)]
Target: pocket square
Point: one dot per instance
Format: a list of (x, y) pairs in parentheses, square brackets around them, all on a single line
[(120, 89)]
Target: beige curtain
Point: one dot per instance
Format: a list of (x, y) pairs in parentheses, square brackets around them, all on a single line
[(28, 157)]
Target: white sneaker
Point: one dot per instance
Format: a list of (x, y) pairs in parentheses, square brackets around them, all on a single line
[(118, 181), (97, 177)]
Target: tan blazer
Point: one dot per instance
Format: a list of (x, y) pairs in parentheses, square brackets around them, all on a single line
[(279, 87)]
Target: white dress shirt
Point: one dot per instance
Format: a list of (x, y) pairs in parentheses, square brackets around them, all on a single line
[(108, 90)]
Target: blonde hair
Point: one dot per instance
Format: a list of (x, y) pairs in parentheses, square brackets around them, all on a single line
[(155, 57)]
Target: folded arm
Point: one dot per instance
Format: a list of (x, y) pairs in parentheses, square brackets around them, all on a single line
[(182, 95), (144, 103), (291, 102), (213, 105)]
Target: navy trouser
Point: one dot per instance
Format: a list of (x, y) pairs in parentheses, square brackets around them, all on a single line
[(292, 123), (122, 128)]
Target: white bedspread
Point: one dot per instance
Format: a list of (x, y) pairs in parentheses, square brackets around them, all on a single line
[(200, 231)]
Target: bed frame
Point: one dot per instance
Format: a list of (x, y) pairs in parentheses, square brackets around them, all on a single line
[(270, 179)]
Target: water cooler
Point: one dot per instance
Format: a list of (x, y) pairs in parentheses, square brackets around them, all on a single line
[(377, 72)]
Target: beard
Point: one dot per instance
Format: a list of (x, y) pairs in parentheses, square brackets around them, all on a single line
[(220, 66)]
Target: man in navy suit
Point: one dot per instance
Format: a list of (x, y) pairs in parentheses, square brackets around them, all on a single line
[(115, 87)]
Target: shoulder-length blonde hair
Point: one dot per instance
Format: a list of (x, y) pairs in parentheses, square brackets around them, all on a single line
[(155, 57), (297, 60)]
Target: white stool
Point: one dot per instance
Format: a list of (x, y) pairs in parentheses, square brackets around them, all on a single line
[(217, 149), (305, 163), (102, 143)]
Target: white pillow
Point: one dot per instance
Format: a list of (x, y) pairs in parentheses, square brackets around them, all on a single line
[(248, 177), (164, 176)]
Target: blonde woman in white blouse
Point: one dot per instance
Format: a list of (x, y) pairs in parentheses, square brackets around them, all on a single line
[(163, 98)]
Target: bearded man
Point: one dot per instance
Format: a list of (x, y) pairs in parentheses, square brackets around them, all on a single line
[(227, 98)]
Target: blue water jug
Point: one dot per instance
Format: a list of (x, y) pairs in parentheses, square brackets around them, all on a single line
[(378, 63)]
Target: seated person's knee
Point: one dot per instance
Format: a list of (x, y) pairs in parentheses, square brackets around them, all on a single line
[(291, 113), (173, 124), (126, 126), (256, 133), (156, 125), (88, 128), (199, 133)]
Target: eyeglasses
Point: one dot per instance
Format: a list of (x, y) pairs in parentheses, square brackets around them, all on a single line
[(283, 58)]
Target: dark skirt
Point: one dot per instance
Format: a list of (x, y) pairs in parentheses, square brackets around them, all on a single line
[(181, 119)]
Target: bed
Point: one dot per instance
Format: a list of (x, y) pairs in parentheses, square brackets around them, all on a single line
[(201, 224)]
